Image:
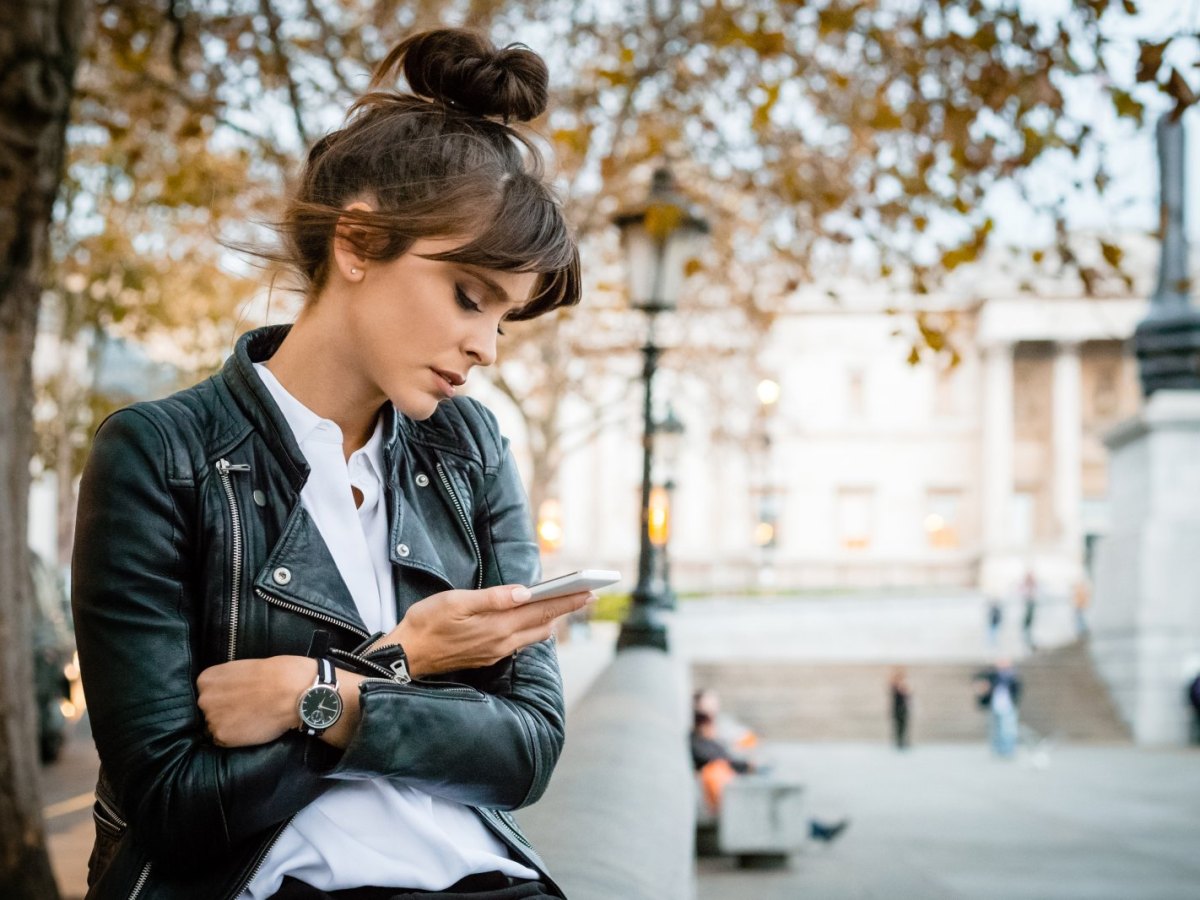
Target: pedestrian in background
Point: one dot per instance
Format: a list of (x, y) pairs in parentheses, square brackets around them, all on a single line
[(1194, 702), (901, 694), (1029, 599), (995, 618), (998, 690), (1081, 599)]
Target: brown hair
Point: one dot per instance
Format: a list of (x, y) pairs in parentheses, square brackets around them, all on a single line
[(441, 161)]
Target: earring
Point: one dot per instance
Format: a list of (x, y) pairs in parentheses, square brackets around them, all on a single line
[(353, 271)]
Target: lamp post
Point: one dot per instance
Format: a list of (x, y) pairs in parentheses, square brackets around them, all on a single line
[(668, 442), (1167, 340), (659, 239)]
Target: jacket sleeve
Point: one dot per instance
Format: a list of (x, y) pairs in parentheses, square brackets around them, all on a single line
[(482, 749), (138, 628)]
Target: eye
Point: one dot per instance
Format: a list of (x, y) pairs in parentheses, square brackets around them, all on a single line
[(464, 300)]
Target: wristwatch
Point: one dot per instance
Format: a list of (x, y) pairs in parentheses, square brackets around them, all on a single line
[(321, 705)]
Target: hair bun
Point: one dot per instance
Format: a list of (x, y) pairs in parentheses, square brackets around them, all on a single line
[(466, 71)]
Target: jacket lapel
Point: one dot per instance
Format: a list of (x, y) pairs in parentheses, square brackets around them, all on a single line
[(301, 571)]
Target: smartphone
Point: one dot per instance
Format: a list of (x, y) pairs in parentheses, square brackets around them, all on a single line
[(573, 583)]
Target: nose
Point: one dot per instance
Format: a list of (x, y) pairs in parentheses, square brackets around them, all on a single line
[(481, 343)]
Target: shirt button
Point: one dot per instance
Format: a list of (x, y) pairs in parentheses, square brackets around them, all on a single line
[(282, 575), (422, 479), (402, 550)]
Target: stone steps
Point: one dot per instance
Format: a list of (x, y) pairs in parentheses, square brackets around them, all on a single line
[(814, 701)]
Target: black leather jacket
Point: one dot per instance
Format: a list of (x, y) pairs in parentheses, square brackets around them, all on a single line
[(193, 548)]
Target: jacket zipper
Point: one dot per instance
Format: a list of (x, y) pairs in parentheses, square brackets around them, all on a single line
[(262, 858), (512, 829), (419, 687), (112, 813), (375, 667), (466, 524), (305, 611), (141, 882), (224, 467)]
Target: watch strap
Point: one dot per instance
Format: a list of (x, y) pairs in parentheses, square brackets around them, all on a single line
[(326, 673)]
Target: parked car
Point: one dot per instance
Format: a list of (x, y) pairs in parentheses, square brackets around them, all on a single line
[(55, 665)]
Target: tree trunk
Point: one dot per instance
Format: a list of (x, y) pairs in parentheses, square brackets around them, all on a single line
[(39, 50)]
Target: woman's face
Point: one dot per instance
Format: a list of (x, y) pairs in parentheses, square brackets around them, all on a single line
[(418, 326)]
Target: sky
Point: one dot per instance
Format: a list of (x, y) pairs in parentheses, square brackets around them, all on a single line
[(1132, 201)]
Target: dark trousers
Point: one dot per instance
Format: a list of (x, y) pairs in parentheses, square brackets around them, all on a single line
[(485, 886), (900, 728)]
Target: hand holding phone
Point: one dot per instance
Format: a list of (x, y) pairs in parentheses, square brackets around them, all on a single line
[(573, 583)]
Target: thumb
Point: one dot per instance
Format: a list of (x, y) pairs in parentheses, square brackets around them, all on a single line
[(498, 598)]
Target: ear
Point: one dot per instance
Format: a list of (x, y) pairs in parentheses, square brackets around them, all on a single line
[(348, 261)]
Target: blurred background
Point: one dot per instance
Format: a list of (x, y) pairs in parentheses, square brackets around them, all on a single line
[(898, 442)]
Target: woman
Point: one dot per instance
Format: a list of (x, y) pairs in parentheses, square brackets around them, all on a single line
[(299, 594)]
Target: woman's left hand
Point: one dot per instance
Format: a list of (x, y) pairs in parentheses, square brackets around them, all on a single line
[(253, 701)]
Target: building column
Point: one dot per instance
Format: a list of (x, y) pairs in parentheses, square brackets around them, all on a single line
[(997, 460), (1068, 450)]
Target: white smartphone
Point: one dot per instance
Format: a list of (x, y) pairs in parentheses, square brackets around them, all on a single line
[(573, 583)]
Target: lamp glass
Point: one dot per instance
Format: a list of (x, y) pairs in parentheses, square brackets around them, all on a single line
[(681, 246), (642, 260), (657, 266), (668, 446)]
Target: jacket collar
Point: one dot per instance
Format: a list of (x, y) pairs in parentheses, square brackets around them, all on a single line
[(256, 403)]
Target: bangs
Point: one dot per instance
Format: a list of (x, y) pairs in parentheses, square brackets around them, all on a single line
[(526, 232)]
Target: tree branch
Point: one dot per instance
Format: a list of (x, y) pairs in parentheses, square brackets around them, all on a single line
[(285, 68)]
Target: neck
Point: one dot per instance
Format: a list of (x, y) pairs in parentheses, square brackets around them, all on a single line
[(318, 371)]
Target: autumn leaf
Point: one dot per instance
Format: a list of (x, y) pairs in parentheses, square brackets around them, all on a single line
[(662, 219), (1150, 59), (762, 113), (1125, 105), (1179, 89), (1112, 254)]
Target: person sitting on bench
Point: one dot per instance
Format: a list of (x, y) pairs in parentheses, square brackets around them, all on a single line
[(716, 766)]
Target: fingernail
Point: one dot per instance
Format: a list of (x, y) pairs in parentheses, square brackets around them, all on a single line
[(521, 594), (592, 597)]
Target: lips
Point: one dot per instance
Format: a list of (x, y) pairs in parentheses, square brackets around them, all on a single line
[(449, 381)]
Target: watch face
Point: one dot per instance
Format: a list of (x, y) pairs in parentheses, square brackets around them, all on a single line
[(320, 706)]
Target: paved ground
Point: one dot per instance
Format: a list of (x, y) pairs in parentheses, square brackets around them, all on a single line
[(951, 822), (67, 791)]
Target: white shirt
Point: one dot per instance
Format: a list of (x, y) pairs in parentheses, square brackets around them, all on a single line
[(367, 832)]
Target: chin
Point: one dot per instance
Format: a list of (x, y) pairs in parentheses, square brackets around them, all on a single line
[(420, 410)]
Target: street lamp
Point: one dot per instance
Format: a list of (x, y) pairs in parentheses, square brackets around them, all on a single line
[(1167, 340), (659, 239)]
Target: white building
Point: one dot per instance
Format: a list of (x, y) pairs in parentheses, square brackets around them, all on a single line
[(877, 473)]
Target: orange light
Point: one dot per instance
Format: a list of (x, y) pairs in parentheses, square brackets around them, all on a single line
[(660, 516), (549, 527)]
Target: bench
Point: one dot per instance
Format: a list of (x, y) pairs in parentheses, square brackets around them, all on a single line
[(762, 821)]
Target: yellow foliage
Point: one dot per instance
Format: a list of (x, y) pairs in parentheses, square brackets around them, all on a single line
[(662, 219)]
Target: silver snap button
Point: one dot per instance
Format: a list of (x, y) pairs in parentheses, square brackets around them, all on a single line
[(423, 479), (402, 549), (282, 575), (260, 498)]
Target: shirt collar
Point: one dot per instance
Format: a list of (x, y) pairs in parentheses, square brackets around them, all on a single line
[(373, 450)]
